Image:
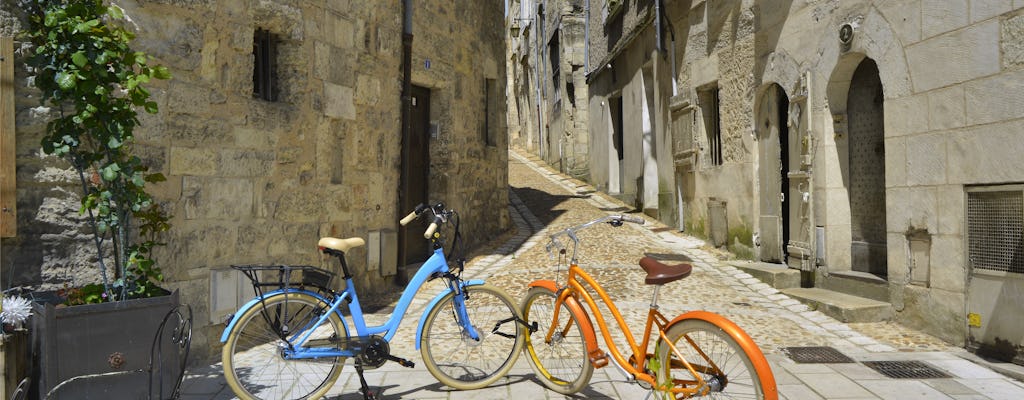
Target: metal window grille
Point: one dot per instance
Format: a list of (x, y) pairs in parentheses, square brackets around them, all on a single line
[(709, 102), (263, 74), (995, 222)]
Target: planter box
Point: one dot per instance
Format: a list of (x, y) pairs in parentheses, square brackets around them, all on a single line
[(13, 361), (103, 351)]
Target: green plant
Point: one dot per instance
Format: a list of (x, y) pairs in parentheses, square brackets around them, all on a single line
[(85, 68)]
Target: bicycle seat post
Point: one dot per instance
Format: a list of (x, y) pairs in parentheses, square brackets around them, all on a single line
[(654, 299)]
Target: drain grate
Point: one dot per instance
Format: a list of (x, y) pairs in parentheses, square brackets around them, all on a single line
[(816, 355), (905, 369)]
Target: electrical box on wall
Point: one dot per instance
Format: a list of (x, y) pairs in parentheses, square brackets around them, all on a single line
[(382, 252), (229, 290)]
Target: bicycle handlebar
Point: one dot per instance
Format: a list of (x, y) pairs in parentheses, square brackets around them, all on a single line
[(440, 216), (613, 220)]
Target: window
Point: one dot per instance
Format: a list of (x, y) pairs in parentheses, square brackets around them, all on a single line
[(491, 111), (709, 104), (995, 228), (556, 77), (264, 71)]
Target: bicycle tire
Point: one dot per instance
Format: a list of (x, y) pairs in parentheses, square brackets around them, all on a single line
[(743, 379), (461, 362), (253, 364), (563, 365)]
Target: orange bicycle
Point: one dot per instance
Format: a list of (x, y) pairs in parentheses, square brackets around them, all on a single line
[(697, 354)]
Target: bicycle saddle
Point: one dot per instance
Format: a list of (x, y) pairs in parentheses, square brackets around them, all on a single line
[(659, 273), (341, 245)]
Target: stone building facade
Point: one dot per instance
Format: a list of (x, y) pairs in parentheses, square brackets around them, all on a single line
[(873, 145), (259, 177), (550, 113)]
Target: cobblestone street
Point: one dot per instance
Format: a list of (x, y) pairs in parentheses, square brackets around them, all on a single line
[(544, 202)]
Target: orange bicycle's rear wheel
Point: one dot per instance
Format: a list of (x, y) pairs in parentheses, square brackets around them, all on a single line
[(561, 364), (728, 369)]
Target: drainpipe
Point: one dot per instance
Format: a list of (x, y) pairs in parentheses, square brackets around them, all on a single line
[(586, 38), (657, 26), (406, 116), (538, 61)]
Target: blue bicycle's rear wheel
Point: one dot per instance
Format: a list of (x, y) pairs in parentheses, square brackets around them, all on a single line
[(454, 357), (254, 365)]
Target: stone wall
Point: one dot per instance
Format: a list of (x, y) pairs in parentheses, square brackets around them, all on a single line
[(252, 181)]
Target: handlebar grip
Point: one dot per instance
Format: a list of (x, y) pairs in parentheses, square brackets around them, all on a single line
[(408, 218), (430, 230)]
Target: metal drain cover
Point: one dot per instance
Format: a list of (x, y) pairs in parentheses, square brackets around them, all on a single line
[(817, 355), (905, 369)]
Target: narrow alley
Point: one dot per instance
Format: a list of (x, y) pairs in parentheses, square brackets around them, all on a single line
[(544, 201)]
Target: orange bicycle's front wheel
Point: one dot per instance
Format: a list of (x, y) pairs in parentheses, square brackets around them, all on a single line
[(728, 363), (561, 363)]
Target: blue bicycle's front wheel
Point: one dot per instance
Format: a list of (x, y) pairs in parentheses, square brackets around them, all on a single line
[(254, 360), (454, 356)]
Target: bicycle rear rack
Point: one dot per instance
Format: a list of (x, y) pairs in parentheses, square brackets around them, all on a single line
[(284, 277)]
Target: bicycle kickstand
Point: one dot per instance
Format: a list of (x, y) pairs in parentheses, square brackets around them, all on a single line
[(365, 389)]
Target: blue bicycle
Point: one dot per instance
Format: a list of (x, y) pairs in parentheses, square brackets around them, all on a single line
[(292, 341)]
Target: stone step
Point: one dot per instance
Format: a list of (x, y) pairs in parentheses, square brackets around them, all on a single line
[(778, 276), (841, 306), (861, 284)]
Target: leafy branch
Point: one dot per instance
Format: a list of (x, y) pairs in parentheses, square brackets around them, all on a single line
[(87, 70)]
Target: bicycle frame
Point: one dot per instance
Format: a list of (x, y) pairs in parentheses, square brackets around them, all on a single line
[(435, 266), (574, 289), (635, 365)]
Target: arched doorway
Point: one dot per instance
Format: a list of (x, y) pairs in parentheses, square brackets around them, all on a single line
[(866, 171)]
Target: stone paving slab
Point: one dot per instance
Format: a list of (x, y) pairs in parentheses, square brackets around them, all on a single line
[(544, 202)]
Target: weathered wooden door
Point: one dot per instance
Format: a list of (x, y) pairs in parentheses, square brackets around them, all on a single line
[(416, 169), (773, 170)]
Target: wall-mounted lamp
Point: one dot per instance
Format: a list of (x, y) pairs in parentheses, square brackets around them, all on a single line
[(514, 27)]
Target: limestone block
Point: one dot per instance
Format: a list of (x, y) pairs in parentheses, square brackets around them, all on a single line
[(173, 40), (955, 57), (186, 98), (895, 162), (997, 98), (1013, 42), (926, 160), (837, 247), (906, 115), (254, 138), (950, 209), (897, 259), (339, 31), (946, 108), (911, 208), (305, 207), (339, 102), (985, 9), (217, 198), (948, 258), (835, 206), (236, 162), (187, 131), (905, 18), (194, 242), (940, 16), (368, 90), (284, 242), (201, 161), (987, 154)]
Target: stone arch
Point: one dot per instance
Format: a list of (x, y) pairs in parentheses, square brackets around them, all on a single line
[(876, 40)]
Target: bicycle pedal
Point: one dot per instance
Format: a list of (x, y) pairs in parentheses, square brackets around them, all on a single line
[(401, 361), (598, 358)]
